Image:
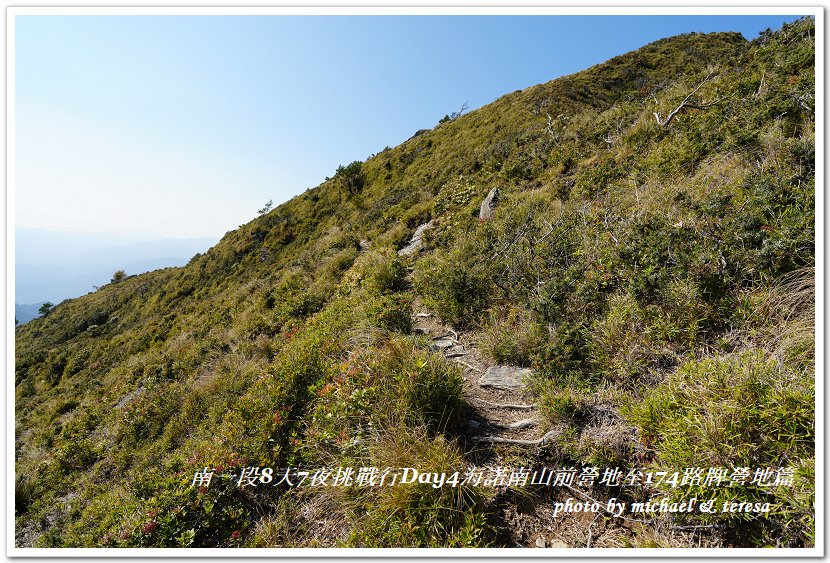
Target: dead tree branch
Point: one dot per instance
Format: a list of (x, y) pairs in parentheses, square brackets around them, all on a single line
[(456, 114), (686, 104), (555, 127)]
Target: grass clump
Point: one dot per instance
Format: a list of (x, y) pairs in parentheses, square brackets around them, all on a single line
[(457, 286), (418, 514), (735, 411), (592, 433), (513, 337), (385, 407), (728, 410)]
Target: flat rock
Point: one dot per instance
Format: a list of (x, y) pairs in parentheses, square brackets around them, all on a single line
[(442, 344), (508, 378), (540, 542), (558, 543)]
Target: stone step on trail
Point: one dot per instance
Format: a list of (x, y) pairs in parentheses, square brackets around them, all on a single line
[(441, 344), (522, 424), (494, 392), (455, 351), (507, 406), (501, 440), (507, 378)]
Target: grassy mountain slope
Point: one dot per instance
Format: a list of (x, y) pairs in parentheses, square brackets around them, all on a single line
[(657, 274)]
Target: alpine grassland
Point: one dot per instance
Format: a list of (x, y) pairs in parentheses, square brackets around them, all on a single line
[(650, 258)]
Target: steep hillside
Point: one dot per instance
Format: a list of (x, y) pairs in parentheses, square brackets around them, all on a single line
[(652, 273)]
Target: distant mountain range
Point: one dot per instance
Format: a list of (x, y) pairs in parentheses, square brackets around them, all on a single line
[(57, 265), (23, 313)]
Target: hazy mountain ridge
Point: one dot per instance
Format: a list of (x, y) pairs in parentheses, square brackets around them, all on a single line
[(53, 266), (25, 312), (655, 278)]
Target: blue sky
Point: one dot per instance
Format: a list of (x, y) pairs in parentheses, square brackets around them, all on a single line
[(184, 126)]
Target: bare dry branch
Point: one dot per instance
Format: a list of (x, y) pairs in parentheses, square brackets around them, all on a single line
[(686, 104)]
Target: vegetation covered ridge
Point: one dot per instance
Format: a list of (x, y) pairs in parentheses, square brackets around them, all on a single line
[(647, 257)]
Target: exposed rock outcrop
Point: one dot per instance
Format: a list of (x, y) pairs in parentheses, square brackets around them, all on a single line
[(416, 242), (489, 204)]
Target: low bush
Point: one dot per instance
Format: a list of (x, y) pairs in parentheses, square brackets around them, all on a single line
[(388, 275), (418, 514), (418, 387), (351, 176), (731, 411), (456, 288), (513, 337), (392, 313)]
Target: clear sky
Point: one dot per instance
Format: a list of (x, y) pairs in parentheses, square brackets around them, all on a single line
[(186, 125)]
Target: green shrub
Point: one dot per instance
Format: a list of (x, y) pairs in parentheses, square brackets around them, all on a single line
[(341, 417), (77, 362), (623, 342), (305, 304), (388, 275), (419, 387), (76, 455), (52, 370), (733, 411), (351, 176), (559, 404), (728, 410), (177, 514), (392, 312), (146, 417), (513, 337), (456, 289), (454, 195), (418, 514)]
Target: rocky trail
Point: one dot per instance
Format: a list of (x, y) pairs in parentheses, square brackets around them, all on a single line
[(500, 407), (502, 425)]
